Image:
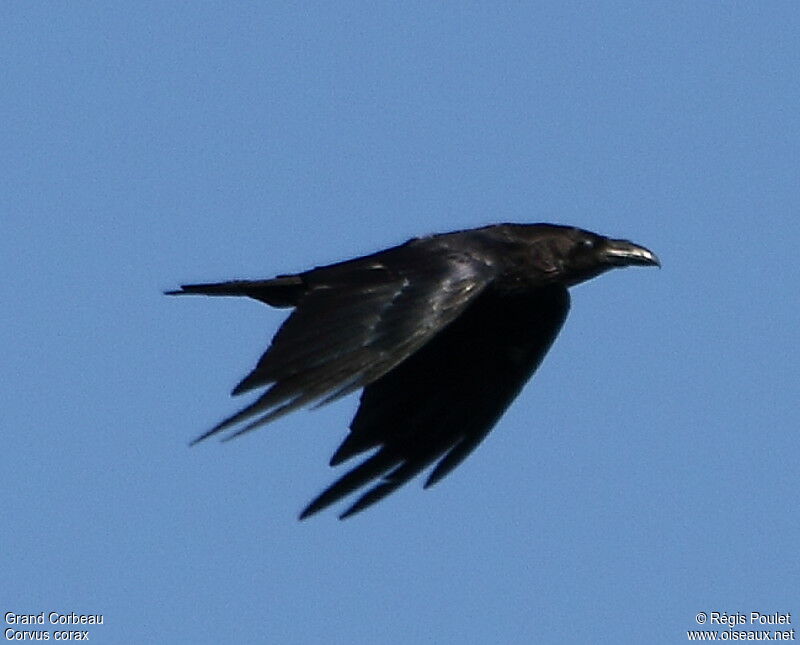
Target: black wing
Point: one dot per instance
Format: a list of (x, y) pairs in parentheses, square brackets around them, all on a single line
[(443, 400), (353, 323)]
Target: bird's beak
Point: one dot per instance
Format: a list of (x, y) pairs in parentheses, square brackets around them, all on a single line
[(625, 253)]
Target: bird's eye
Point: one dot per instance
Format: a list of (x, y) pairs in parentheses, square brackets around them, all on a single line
[(587, 243)]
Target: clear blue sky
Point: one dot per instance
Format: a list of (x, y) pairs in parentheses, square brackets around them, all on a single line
[(648, 472)]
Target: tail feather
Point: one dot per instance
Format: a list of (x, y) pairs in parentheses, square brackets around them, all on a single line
[(283, 291)]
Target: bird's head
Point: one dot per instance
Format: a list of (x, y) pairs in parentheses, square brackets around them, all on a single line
[(572, 255)]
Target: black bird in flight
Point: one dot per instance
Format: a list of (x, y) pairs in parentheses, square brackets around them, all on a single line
[(441, 333)]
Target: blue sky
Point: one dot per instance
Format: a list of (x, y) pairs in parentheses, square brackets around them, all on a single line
[(649, 470)]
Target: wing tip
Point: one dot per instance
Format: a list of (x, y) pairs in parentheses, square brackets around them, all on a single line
[(207, 434), (199, 439), (309, 510), (245, 385)]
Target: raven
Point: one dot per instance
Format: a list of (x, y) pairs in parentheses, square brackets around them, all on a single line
[(441, 333)]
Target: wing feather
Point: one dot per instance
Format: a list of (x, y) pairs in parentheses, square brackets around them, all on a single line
[(441, 402), (356, 321)]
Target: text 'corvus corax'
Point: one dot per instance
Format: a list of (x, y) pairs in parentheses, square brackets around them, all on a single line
[(441, 333)]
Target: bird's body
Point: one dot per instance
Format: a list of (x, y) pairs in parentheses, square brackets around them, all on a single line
[(440, 332)]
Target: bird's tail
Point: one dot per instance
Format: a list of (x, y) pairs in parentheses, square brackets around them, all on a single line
[(283, 291)]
